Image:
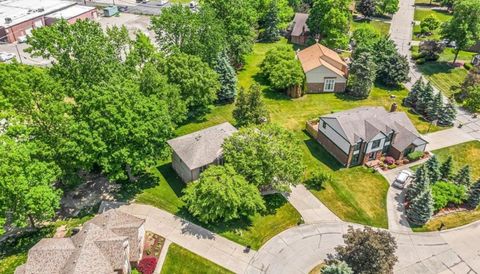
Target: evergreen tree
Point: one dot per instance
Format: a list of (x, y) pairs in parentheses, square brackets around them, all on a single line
[(420, 184), (366, 7), (463, 177), (433, 169), (227, 78), (474, 195), (425, 99), (421, 208), (434, 110), (417, 88), (272, 20), (447, 116), (446, 169), (362, 75), (249, 107), (339, 267)]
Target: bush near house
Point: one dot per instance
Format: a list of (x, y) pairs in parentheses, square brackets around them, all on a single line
[(414, 156), (147, 265)]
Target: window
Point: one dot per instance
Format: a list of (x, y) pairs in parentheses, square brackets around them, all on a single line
[(376, 144), (389, 138), (355, 159), (357, 146), (324, 124), (329, 85)]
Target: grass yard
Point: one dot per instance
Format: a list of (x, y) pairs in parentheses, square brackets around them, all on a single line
[(426, 3), (181, 261), (421, 14), (381, 26), (463, 154)]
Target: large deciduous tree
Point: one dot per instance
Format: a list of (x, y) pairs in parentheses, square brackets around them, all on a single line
[(268, 156), (387, 6), (330, 21), (392, 68), (221, 194), (249, 107), (367, 251), (464, 27), (282, 69), (361, 75)]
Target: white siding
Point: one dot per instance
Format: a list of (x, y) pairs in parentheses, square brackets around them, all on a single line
[(317, 75), (421, 148), (334, 137), (381, 137)]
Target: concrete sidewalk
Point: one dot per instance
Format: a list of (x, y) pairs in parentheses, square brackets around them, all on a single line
[(446, 138), (193, 237), (311, 209)]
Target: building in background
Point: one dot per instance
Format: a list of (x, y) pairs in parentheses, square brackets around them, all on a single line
[(72, 14)]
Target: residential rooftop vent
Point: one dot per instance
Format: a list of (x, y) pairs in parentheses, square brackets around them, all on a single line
[(8, 20)]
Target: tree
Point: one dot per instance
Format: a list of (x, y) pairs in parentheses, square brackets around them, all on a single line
[(464, 27), (387, 6), (268, 156), (367, 251), (463, 176), (364, 38), (472, 101), (282, 69), (227, 78), (448, 115), (447, 3), (474, 195), (421, 208), (425, 99), (330, 20), (434, 110), (195, 33), (249, 107), (238, 18), (27, 194), (198, 83), (429, 24), (366, 7), (272, 20), (431, 50), (445, 193), (420, 184), (362, 75), (392, 68), (433, 169), (337, 268), (446, 169), (470, 84), (221, 194), (285, 12), (413, 94)]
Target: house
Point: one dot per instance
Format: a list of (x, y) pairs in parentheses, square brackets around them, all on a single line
[(476, 60), (106, 244), (298, 29), (194, 152), (363, 134), (324, 69)]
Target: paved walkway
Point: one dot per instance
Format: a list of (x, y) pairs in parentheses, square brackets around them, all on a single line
[(193, 237), (311, 209)]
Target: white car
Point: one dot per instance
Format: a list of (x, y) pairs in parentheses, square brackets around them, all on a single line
[(402, 179), (5, 56)]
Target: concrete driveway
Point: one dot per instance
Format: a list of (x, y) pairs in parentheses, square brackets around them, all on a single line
[(397, 220), (446, 138)]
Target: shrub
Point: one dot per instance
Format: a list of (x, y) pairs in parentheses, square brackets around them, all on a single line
[(389, 160), (420, 61), (417, 55), (446, 192), (317, 180), (415, 156), (147, 265), (468, 66), (392, 166)]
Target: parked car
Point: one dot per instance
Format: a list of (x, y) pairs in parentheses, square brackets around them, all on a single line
[(402, 178), (5, 56)]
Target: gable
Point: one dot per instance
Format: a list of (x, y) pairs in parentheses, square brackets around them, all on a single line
[(319, 74)]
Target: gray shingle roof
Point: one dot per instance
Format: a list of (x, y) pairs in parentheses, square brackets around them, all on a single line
[(202, 147), (97, 248), (367, 122)]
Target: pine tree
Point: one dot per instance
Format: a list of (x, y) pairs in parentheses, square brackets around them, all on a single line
[(272, 33), (446, 169), (249, 107), (420, 184), (433, 170), (434, 110), (421, 208), (425, 99), (474, 195), (447, 116), (227, 78), (463, 177), (417, 88)]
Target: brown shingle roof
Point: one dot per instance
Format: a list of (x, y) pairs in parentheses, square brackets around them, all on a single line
[(318, 55)]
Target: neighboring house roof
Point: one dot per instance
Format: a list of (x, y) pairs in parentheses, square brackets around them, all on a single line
[(318, 55), (202, 147), (299, 24), (98, 248), (364, 123)]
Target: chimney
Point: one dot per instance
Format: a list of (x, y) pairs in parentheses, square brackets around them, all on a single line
[(394, 107)]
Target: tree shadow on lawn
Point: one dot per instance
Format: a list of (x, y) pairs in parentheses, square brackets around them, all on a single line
[(431, 68), (320, 153)]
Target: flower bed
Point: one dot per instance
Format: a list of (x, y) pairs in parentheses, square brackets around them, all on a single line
[(152, 248)]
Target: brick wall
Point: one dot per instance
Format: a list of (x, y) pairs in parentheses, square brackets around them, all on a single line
[(318, 87), (335, 151)]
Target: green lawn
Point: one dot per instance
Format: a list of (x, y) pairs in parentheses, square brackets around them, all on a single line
[(463, 154), (181, 261), (426, 2), (381, 26), (422, 13)]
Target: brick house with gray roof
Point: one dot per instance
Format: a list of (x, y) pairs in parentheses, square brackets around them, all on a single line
[(363, 134), (108, 243)]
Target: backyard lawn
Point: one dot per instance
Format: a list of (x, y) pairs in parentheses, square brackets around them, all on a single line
[(381, 26), (463, 154), (421, 14), (180, 260)]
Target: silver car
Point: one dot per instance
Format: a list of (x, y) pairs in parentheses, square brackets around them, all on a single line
[(5, 56), (402, 178)]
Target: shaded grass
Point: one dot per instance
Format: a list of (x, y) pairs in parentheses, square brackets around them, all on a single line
[(382, 27), (421, 14), (181, 261), (450, 221)]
